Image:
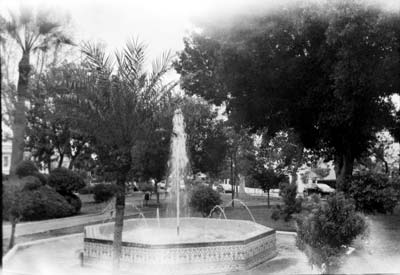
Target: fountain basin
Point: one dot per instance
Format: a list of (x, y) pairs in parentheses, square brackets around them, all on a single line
[(203, 246)]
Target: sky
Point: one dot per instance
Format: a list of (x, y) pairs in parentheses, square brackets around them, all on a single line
[(161, 25)]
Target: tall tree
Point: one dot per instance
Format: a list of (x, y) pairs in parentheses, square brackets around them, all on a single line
[(49, 135), (32, 32), (119, 110), (325, 71), (207, 142)]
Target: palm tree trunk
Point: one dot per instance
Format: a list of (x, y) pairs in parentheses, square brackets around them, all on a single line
[(119, 223), (19, 124)]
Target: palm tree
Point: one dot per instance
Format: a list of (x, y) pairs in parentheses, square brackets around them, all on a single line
[(32, 32), (119, 104)]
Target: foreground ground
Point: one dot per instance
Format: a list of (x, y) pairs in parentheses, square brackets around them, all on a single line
[(60, 257), (377, 253)]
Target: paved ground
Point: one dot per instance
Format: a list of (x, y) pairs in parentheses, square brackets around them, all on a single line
[(378, 253), (60, 257)]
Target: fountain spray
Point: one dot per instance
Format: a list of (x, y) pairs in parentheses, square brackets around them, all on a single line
[(178, 160)]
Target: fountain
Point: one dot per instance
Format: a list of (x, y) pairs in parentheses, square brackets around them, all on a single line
[(181, 245)]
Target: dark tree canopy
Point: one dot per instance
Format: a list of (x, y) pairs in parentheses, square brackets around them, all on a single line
[(324, 71), (206, 140)]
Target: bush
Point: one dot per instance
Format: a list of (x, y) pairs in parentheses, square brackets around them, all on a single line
[(65, 181), (104, 192), (26, 168), (86, 190), (75, 202), (288, 192), (44, 203), (325, 232), (30, 183), (146, 187), (11, 201), (373, 192), (42, 177), (276, 213), (203, 199)]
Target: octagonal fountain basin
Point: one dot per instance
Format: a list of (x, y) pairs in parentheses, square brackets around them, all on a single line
[(152, 246)]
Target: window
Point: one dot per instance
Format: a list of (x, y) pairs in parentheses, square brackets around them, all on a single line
[(6, 161)]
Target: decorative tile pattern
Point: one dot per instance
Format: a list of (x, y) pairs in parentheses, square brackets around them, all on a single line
[(202, 258)]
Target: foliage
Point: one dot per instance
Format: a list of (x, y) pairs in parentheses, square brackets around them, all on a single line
[(65, 181), (32, 31), (206, 139), (276, 213), (284, 152), (267, 177), (145, 187), (288, 192), (11, 201), (203, 199), (103, 192), (289, 69), (30, 183), (44, 203), (74, 201), (26, 168), (86, 190), (373, 192), (325, 233), (44, 178), (119, 104), (49, 133), (321, 172)]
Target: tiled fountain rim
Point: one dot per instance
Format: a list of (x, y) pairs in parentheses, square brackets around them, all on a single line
[(184, 244)]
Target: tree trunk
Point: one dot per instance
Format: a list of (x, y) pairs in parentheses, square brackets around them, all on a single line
[(119, 223), (60, 160), (268, 198), (299, 162), (232, 183), (12, 237), (71, 163), (19, 125), (343, 168), (386, 166)]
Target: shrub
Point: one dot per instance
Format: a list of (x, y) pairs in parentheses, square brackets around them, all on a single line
[(104, 192), (42, 177), (325, 232), (288, 192), (146, 187), (44, 203), (276, 213), (74, 201), (65, 181), (203, 199), (86, 190), (30, 183), (373, 192), (11, 201), (26, 168)]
